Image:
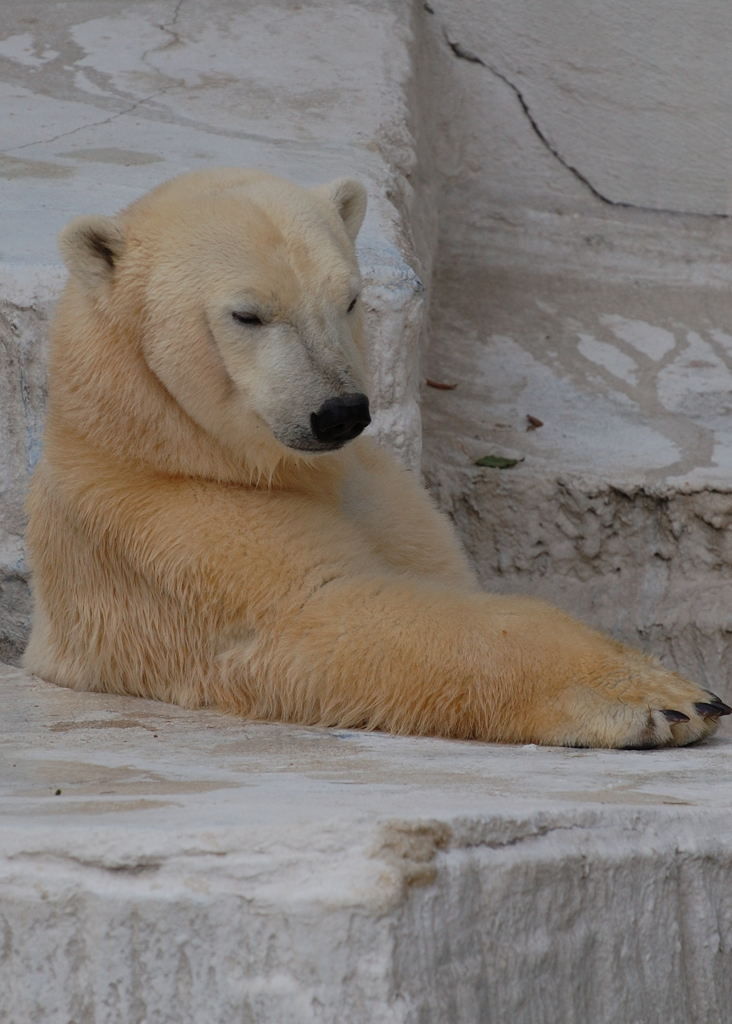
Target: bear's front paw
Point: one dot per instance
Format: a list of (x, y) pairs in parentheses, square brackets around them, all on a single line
[(670, 727), (637, 706)]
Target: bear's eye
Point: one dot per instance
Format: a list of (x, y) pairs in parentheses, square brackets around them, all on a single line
[(353, 304), (247, 318)]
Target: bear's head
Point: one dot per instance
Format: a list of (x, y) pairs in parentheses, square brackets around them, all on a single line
[(235, 295)]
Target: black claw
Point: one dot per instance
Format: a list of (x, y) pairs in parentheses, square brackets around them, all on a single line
[(724, 709), (674, 717), (714, 710)]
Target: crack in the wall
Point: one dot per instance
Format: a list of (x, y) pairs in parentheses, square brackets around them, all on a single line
[(176, 12), (91, 124), (175, 38), (169, 27), (464, 54), (185, 122)]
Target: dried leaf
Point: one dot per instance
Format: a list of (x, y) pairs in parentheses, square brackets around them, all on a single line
[(533, 422), (496, 462)]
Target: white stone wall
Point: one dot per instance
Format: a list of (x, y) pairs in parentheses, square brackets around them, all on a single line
[(633, 102)]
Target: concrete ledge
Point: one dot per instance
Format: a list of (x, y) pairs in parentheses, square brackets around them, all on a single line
[(619, 504), (195, 867)]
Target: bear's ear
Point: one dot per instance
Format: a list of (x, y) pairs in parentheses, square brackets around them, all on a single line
[(91, 248), (349, 198)]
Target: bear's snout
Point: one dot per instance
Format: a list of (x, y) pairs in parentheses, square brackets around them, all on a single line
[(340, 419)]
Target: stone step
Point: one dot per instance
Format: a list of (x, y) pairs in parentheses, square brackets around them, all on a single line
[(584, 275), (611, 397), (168, 865)]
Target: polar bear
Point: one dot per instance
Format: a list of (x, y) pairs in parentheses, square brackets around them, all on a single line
[(209, 526)]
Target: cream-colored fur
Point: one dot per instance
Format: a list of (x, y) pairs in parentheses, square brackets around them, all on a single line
[(188, 543)]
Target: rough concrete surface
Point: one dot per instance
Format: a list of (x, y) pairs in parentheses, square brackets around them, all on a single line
[(197, 868), (634, 105), (620, 504)]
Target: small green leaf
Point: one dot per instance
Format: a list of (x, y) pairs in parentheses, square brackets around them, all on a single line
[(496, 462)]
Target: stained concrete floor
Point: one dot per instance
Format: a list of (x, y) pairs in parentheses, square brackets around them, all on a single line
[(168, 865)]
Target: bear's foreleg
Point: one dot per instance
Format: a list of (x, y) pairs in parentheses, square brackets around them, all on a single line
[(409, 658)]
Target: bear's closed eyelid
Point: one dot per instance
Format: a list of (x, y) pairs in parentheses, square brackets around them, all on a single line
[(354, 300), (251, 319)]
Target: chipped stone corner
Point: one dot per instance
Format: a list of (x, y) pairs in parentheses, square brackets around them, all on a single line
[(394, 310), (411, 848), (26, 297)]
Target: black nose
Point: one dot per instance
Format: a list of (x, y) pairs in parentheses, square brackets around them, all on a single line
[(341, 419)]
